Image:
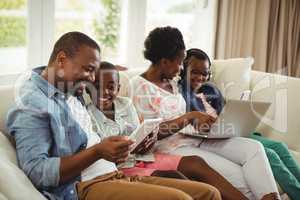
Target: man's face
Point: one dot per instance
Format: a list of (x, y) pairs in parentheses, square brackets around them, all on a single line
[(79, 70), (108, 85)]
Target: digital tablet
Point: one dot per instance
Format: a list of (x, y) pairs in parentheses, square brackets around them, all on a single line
[(143, 130)]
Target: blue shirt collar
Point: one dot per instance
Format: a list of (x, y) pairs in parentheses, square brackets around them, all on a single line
[(47, 88)]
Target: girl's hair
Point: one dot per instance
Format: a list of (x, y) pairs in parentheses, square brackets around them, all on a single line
[(163, 42), (194, 52)]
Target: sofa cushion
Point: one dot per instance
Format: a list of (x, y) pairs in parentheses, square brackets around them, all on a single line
[(14, 184), (7, 100), (281, 122), (125, 77), (2, 197), (232, 76)]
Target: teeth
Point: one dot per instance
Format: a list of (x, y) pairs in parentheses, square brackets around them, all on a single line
[(103, 99)]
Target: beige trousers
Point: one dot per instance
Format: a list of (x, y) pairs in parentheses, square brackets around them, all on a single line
[(116, 186)]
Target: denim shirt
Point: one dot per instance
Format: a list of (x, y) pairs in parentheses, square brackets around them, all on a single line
[(44, 131)]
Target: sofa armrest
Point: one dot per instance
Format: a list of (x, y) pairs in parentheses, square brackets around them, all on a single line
[(296, 155)]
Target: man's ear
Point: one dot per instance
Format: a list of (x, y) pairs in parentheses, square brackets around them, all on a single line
[(61, 59), (164, 61)]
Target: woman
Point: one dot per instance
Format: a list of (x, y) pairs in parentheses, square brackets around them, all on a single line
[(156, 94), (115, 115)]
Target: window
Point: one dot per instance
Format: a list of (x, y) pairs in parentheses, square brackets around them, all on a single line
[(194, 18), (13, 30), (100, 19), (176, 13), (29, 28)]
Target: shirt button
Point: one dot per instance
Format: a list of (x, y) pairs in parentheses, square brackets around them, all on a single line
[(83, 146), (71, 191)]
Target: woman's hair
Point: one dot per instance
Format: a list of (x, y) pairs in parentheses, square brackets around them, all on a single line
[(198, 54), (163, 42)]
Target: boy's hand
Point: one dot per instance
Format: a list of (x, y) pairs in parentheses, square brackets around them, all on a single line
[(147, 144)]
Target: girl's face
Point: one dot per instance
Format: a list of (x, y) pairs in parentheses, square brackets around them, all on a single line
[(198, 72)]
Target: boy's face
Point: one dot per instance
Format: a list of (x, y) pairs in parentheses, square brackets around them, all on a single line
[(108, 88)]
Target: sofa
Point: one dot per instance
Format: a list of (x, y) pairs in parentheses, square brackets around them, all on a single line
[(232, 76)]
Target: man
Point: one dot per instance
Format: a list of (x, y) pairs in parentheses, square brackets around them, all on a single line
[(53, 149)]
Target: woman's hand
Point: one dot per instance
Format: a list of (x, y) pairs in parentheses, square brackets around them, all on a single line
[(201, 121), (121, 68)]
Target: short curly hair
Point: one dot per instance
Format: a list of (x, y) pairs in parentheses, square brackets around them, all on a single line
[(163, 42), (70, 43)]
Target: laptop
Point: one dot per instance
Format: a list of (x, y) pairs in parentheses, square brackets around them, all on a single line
[(236, 119)]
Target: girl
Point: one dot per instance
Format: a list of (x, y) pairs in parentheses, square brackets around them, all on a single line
[(205, 97)]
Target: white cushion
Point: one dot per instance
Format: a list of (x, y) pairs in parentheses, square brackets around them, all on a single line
[(232, 76), (7, 100), (281, 121), (2, 197), (125, 77), (14, 184)]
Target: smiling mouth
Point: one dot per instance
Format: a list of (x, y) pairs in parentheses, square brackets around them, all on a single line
[(105, 99)]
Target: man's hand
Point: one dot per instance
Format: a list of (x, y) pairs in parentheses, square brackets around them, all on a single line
[(114, 148)]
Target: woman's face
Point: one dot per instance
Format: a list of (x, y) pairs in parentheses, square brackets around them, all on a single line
[(171, 68), (198, 72)]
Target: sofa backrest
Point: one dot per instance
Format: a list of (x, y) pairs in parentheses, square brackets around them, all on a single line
[(282, 122), (7, 100), (14, 184)]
